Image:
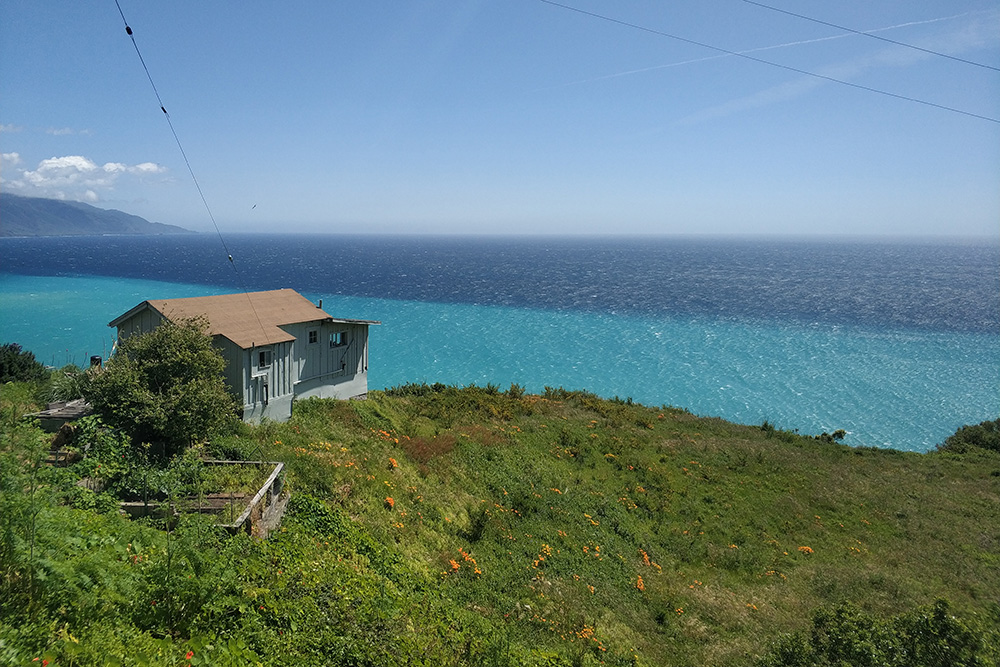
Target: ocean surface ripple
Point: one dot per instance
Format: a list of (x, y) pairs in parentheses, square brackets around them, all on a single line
[(899, 343)]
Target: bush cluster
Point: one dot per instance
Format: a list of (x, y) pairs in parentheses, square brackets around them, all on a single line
[(930, 636), (984, 435), (165, 388), (17, 365)]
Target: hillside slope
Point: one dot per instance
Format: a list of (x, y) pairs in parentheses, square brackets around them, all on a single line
[(437, 525), (648, 531), (36, 216)]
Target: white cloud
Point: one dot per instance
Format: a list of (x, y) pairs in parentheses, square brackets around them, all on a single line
[(10, 128), (63, 131), (73, 177), (65, 171), (148, 168)]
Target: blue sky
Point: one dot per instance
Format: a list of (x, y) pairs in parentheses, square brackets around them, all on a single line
[(512, 116)]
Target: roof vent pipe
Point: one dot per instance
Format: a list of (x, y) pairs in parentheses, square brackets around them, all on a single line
[(320, 306)]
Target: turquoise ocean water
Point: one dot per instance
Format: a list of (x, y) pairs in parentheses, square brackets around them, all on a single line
[(906, 387)]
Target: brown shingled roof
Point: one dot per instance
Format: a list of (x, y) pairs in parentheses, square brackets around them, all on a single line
[(232, 316)]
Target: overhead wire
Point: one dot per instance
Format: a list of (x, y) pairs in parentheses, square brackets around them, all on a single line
[(187, 162), (872, 35), (746, 56), (753, 50)]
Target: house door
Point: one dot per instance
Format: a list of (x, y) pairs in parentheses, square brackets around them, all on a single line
[(314, 355)]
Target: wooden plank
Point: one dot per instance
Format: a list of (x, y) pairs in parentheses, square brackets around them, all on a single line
[(260, 494)]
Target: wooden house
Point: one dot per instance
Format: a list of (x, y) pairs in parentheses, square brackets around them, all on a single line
[(278, 346)]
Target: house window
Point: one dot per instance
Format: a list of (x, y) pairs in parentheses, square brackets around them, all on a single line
[(313, 336), (264, 359), (338, 339)]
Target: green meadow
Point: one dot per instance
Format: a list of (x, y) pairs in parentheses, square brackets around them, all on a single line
[(435, 525)]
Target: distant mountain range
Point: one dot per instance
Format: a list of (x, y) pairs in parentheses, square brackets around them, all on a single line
[(36, 216)]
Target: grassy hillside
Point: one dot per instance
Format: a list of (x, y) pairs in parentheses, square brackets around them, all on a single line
[(435, 525)]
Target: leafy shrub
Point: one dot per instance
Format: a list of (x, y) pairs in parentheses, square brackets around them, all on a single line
[(17, 365), (984, 435), (109, 459), (165, 387), (68, 383), (770, 431), (515, 391), (831, 438), (235, 449), (927, 637), (314, 515), (416, 389)]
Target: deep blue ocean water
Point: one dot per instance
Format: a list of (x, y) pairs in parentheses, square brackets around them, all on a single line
[(896, 342)]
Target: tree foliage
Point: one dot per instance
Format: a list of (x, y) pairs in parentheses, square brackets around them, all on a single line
[(17, 365), (926, 637), (164, 387), (984, 435)]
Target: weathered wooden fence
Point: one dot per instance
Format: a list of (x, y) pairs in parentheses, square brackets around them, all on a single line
[(261, 515)]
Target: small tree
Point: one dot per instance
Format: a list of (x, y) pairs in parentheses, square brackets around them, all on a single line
[(164, 387), (17, 365)]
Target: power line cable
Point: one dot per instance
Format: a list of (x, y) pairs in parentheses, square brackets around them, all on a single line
[(753, 50), (872, 35), (197, 185), (746, 56), (187, 162)]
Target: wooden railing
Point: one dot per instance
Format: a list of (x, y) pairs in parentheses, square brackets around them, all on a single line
[(261, 515)]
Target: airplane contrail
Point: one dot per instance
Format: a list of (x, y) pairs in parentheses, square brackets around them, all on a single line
[(757, 49)]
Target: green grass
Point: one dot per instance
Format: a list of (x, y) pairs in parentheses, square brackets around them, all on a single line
[(518, 532), (725, 511)]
